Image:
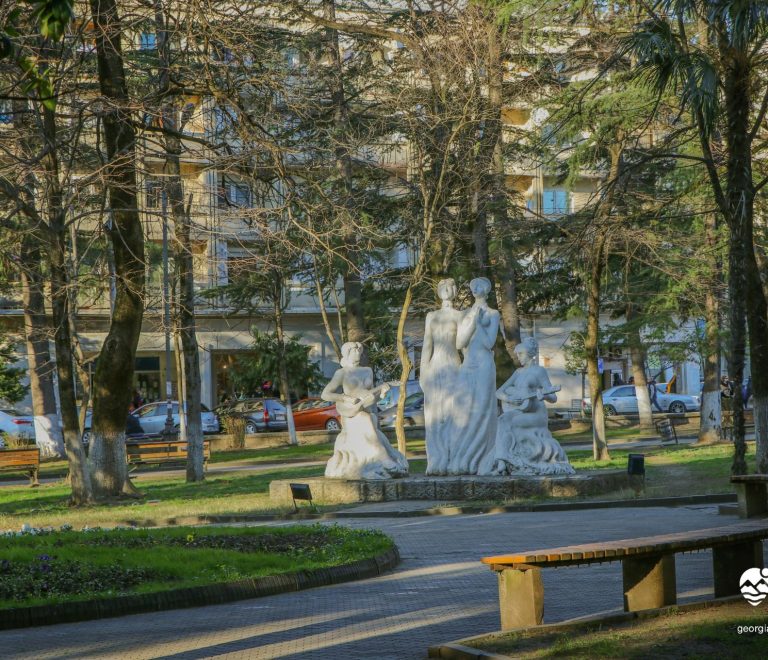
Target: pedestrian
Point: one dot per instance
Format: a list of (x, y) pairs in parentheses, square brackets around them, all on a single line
[(746, 392), (726, 388), (137, 401), (653, 393)]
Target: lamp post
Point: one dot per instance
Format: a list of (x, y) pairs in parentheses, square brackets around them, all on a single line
[(168, 429)]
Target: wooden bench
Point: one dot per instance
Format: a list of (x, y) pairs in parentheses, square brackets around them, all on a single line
[(648, 568), (149, 452), (727, 422), (752, 491), (22, 460)]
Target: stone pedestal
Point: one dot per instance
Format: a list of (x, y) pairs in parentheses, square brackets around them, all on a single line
[(649, 582), (450, 489), (521, 598)]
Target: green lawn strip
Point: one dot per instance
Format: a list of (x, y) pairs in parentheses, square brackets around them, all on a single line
[(670, 471), (63, 566), (711, 632), (172, 497)]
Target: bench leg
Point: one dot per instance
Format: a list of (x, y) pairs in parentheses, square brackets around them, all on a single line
[(730, 561), (649, 582), (753, 500), (521, 598)]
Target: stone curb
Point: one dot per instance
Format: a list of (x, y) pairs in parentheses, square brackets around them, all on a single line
[(724, 498), (214, 594), (458, 651)]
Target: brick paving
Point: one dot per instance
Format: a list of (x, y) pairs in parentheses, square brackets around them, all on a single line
[(440, 592)]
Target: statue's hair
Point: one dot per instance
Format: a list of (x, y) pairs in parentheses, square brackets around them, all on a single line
[(531, 345), (344, 362), (483, 284), (444, 283)]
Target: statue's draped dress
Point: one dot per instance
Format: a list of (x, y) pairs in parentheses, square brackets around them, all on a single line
[(439, 381), (361, 450), (523, 440), (475, 433)]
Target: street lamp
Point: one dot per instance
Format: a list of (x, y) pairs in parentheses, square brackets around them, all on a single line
[(168, 429)]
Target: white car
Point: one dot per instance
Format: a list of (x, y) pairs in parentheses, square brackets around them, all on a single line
[(12, 423), (621, 400)]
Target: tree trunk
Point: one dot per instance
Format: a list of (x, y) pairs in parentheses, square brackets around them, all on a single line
[(353, 290), (42, 368), (324, 311), (637, 355), (114, 372), (405, 371), (184, 317), (79, 476), (48, 435), (710, 429), (591, 345), (745, 288), (285, 385)]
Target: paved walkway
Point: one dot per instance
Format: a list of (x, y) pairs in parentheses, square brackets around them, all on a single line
[(440, 592)]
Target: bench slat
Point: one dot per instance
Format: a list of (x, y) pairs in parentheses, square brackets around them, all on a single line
[(670, 543)]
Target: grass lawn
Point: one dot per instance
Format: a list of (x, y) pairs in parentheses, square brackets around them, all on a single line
[(711, 633), (671, 471), (59, 566)]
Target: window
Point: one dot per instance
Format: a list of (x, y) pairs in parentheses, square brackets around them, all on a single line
[(147, 41), (625, 391), (292, 58), (555, 202), (6, 111), (232, 193), (154, 194)]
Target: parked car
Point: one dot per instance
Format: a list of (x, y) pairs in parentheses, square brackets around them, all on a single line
[(314, 413), (621, 400), (13, 423), (260, 414), (133, 428), (151, 417), (413, 414), (390, 398)]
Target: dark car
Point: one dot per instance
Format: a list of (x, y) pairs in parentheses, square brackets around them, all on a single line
[(260, 414)]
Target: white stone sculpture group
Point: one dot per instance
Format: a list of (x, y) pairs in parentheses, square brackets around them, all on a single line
[(464, 434)]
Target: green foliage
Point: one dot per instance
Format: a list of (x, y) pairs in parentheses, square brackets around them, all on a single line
[(49, 566), (53, 18), (11, 388), (262, 364)]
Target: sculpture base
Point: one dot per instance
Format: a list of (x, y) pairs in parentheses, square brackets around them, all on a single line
[(451, 489)]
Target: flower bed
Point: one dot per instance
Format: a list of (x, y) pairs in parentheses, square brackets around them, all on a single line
[(46, 566)]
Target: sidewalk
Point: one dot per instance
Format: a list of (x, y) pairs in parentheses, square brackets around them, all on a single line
[(440, 592)]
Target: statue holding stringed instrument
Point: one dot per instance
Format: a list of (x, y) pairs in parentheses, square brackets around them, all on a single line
[(524, 444), (361, 451)]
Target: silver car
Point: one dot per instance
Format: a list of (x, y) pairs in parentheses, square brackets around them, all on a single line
[(152, 417), (622, 400), (413, 415)]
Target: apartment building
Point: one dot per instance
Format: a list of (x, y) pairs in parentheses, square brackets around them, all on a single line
[(220, 203)]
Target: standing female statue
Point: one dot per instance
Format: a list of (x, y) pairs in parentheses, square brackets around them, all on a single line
[(524, 444), (475, 433), (440, 364), (361, 451)]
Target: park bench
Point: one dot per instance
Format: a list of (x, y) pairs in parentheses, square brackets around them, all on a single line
[(727, 422), (752, 491), (18, 460), (648, 568), (150, 452)]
